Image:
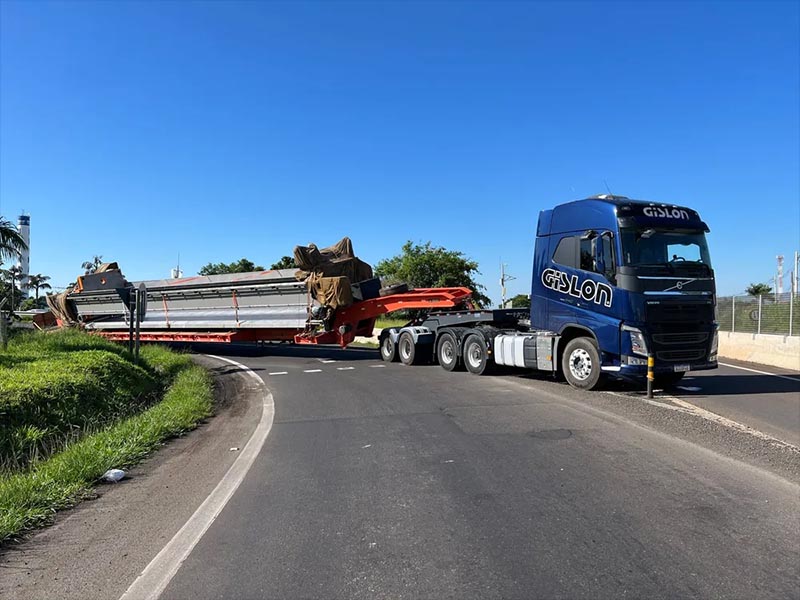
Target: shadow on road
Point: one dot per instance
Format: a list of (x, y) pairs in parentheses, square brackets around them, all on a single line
[(284, 350)]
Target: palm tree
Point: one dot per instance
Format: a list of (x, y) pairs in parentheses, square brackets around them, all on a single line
[(90, 266), (12, 275), (11, 242), (38, 282)]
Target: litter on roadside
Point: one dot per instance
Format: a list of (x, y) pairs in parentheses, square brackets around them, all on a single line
[(113, 475)]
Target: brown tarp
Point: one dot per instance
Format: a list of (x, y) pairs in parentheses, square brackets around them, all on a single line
[(329, 272), (62, 308)]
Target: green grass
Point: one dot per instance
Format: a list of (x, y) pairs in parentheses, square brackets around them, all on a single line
[(29, 498), (56, 386), (387, 323)]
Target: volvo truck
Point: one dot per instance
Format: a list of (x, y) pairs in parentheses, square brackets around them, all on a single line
[(615, 281)]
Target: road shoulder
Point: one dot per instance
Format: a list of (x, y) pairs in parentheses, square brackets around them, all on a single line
[(97, 549)]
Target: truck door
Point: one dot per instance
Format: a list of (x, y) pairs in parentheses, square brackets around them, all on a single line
[(580, 284)]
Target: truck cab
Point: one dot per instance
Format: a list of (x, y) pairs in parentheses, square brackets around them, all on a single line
[(620, 280)]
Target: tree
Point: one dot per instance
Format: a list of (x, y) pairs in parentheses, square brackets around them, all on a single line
[(38, 282), (241, 266), (31, 303), (12, 275), (424, 265), (286, 262), (90, 266), (11, 242), (758, 289), (521, 301)]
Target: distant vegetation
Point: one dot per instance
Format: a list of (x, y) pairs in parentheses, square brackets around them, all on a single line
[(427, 266), (758, 289), (242, 265), (286, 262)]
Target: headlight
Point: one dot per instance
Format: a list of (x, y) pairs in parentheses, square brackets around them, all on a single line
[(638, 345)]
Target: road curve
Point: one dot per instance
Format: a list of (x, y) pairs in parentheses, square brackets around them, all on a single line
[(381, 482)]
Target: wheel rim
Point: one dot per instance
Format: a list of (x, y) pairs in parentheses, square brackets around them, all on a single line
[(474, 355), (386, 347), (580, 364), (447, 352), (405, 349)]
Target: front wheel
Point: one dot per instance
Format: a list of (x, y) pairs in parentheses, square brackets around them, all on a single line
[(581, 363)]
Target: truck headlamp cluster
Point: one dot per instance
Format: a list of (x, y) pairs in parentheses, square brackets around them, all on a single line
[(638, 344)]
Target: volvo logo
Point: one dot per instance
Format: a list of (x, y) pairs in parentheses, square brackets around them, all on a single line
[(679, 286)]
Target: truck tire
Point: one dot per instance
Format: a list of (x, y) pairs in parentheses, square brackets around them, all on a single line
[(407, 349), (667, 380), (581, 363), (447, 352), (389, 290), (476, 356), (388, 348)]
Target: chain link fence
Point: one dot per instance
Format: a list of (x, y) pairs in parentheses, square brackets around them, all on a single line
[(777, 314)]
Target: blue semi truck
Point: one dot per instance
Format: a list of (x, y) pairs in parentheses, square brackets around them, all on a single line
[(614, 281)]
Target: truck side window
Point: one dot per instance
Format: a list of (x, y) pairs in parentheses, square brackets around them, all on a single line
[(567, 252), (587, 258)]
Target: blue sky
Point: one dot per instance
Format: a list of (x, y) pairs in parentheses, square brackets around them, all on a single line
[(221, 130)]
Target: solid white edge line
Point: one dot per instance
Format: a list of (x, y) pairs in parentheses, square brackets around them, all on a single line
[(279, 373), (155, 577), (760, 372)]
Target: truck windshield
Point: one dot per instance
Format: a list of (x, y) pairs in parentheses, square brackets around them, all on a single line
[(669, 248)]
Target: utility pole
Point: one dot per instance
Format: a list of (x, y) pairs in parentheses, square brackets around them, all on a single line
[(503, 279)]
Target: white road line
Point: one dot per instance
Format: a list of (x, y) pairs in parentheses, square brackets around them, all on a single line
[(345, 368), (312, 371), (326, 361), (795, 379), (683, 406), (156, 576), (279, 373), (377, 366), (711, 416)]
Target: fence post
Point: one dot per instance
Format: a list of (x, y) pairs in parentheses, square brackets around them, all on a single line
[(791, 311), (733, 314), (760, 298)]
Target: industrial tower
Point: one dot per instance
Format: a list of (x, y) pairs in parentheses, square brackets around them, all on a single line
[(24, 260)]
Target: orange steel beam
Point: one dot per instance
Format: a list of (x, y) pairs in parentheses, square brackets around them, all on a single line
[(359, 318)]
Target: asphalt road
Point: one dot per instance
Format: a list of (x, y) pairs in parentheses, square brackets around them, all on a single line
[(377, 481)]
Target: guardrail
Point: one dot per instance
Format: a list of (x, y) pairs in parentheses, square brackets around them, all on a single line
[(776, 314)]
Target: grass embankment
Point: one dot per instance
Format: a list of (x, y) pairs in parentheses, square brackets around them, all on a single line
[(73, 406)]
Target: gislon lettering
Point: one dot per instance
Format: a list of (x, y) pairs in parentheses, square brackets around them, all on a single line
[(589, 290)]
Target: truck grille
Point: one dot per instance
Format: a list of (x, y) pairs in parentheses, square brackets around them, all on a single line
[(680, 355), (689, 339)]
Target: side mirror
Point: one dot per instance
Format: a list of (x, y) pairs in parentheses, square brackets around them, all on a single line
[(589, 234)]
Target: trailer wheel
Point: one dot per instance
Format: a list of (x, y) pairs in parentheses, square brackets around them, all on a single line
[(447, 352), (407, 349), (389, 290), (388, 348), (581, 363), (476, 355)]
